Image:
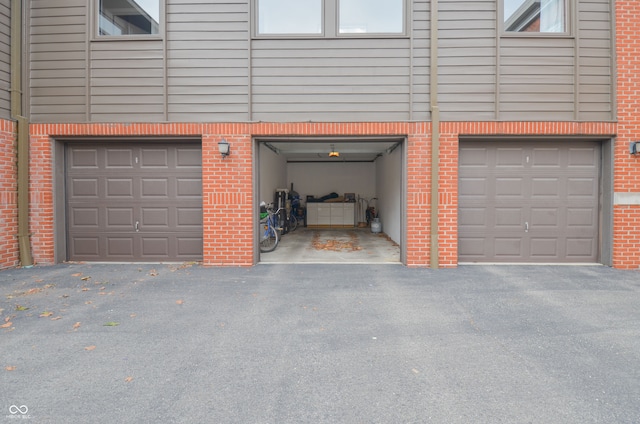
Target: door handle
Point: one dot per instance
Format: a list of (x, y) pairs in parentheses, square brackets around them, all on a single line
[(137, 226), (526, 227)]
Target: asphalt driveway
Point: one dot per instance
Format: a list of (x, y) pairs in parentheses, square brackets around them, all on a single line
[(319, 344)]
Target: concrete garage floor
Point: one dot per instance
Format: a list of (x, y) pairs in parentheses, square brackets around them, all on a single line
[(332, 245)]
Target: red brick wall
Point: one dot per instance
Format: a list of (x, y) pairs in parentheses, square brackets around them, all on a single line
[(228, 186), (626, 235), (9, 255)]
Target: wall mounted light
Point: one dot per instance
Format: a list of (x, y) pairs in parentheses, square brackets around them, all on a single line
[(224, 148), (333, 153), (634, 147)]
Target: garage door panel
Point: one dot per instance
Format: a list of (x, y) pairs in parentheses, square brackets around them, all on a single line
[(543, 187), (508, 217), (154, 187), (84, 158), (539, 201), (119, 158), (547, 218), (509, 187), (84, 187), (85, 217), (582, 187), (119, 187), (473, 187), (545, 157), (506, 157), (580, 248), (582, 157), (119, 247), (119, 218), (508, 248), (127, 203), (154, 158), (189, 217), (188, 158), (544, 248)]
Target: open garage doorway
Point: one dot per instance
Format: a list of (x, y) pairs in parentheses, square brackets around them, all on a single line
[(351, 194)]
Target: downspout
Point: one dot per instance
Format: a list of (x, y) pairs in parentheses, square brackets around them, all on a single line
[(435, 136), (22, 134)]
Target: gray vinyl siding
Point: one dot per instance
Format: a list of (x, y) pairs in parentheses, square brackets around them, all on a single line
[(127, 81), (208, 60), (5, 59), (58, 50), (207, 67), (595, 63), (331, 80), (467, 60)]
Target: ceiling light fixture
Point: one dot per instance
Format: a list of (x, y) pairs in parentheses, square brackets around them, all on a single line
[(333, 153)]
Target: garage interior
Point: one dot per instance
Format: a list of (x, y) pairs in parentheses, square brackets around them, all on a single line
[(355, 173)]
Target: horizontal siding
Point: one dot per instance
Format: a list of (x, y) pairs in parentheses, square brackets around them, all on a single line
[(127, 81), (421, 57), (595, 61), (58, 65), (331, 79), (467, 60), (208, 60), (5, 59), (537, 78)]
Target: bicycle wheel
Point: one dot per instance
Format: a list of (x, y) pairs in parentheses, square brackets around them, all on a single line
[(293, 222), (268, 238)]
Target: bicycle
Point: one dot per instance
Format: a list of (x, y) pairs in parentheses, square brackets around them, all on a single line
[(269, 236)]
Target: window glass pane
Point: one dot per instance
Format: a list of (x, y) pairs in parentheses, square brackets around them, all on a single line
[(289, 16), (371, 16), (534, 15), (129, 17)]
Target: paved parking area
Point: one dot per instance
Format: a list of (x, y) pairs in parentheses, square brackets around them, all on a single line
[(319, 344)]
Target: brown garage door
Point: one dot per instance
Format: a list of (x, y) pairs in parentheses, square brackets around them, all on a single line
[(134, 201), (528, 202)]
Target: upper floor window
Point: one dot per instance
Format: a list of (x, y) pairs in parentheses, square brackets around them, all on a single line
[(290, 17), (330, 18), (371, 16), (541, 16), (128, 17)]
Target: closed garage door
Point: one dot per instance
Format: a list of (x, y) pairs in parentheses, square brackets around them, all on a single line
[(134, 201), (528, 202)]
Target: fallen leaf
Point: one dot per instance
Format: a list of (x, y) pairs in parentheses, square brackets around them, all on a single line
[(133, 315), (85, 278), (128, 379), (153, 273), (86, 289), (77, 274), (179, 302), (90, 348), (21, 308), (6, 324), (7, 319), (56, 318), (46, 314), (76, 325), (10, 368), (111, 324)]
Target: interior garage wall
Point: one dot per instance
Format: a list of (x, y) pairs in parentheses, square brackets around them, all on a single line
[(389, 203), (322, 178), (273, 173)]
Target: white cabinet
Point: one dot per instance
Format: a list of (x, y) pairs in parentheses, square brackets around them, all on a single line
[(331, 214)]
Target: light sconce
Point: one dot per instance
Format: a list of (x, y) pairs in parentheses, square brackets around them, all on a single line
[(634, 147), (333, 153), (224, 148)]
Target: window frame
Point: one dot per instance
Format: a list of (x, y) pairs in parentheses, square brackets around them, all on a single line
[(330, 24), (95, 26), (567, 33)]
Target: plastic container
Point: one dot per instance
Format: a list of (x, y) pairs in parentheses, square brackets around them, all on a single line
[(376, 225)]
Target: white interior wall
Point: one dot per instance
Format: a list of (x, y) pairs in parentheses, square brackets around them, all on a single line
[(273, 174), (389, 202), (320, 179)]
